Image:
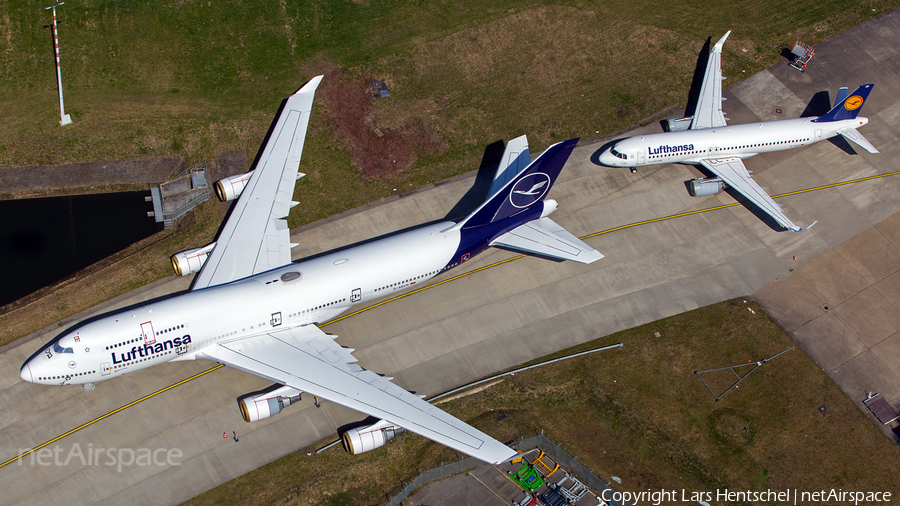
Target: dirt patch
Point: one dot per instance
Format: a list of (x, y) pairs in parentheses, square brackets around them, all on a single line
[(378, 151), (228, 162), (44, 178)]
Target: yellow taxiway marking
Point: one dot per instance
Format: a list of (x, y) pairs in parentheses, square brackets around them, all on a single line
[(407, 294), (95, 420)]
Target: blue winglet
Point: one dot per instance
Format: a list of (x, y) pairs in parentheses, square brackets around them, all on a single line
[(849, 107)]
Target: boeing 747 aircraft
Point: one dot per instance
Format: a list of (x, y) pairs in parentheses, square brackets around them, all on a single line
[(705, 139), (251, 308)]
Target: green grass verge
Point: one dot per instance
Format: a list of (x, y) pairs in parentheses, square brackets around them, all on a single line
[(639, 413)]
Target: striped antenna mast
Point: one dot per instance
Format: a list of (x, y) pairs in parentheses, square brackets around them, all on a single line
[(64, 119)]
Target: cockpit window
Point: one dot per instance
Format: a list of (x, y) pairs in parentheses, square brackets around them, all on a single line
[(59, 349), (617, 154)]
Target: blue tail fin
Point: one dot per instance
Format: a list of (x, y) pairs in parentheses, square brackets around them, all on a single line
[(848, 107), (527, 190)]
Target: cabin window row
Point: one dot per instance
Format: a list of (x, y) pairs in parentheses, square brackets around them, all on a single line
[(410, 280), (48, 378), (159, 332), (679, 153), (767, 144), (318, 307), (733, 147)]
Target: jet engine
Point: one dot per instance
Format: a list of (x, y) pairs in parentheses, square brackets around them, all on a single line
[(256, 407), (677, 125), (705, 187), (550, 205), (190, 261), (363, 439), (230, 188)]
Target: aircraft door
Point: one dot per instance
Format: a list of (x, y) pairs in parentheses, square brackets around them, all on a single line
[(714, 151), (818, 135), (642, 158), (105, 369), (147, 333)]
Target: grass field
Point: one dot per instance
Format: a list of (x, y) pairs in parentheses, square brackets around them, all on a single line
[(639, 413)]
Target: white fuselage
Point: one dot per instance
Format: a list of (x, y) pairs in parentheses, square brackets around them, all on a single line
[(742, 141), (181, 327)]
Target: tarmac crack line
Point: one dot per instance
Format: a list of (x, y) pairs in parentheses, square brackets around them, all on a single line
[(474, 271)]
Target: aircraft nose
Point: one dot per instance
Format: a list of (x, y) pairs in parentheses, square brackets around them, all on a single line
[(25, 373), (606, 157)]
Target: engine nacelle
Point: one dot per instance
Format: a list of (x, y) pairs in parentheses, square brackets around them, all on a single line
[(256, 407), (550, 205), (677, 125), (190, 261), (705, 187), (363, 439), (230, 188)]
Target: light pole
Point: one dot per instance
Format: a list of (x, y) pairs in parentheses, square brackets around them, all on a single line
[(64, 119)]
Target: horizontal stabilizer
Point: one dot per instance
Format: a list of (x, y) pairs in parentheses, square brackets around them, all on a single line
[(515, 159), (842, 93), (545, 238), (853, 135)]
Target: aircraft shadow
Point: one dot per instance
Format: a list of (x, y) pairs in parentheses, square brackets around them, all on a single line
[(697, 80), (478, 193)]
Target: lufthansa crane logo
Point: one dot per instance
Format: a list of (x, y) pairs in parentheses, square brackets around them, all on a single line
[(529, 189), (853, 103)]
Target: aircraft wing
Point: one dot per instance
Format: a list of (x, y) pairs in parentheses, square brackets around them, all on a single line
[(255, 238), (545, 238), (709, 106), (733, 172), (307, 359)]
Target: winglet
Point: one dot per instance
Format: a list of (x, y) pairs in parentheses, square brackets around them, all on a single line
[(310, 85), (804, 229), (718, 47)]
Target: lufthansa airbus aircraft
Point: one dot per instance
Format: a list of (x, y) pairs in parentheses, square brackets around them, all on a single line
[(251, 308), (705, 139)]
